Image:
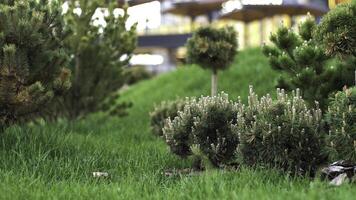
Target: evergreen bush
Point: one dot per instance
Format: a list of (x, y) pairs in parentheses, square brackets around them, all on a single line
[(337, 30), (337, 34), (214, 130), (341, 121), (165, 110), (213, 49), (281, 133), (178, 131), (98, 54), (304, 63), (207, 123), (31, 58)]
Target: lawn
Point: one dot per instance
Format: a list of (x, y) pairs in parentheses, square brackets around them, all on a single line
[(56, 161)]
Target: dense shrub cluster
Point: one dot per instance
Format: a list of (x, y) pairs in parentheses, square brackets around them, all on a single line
[(281, 133), (341, 120), (207, 123), (165, 110)]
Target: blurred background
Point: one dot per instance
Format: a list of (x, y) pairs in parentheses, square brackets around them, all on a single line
[(165, 25)]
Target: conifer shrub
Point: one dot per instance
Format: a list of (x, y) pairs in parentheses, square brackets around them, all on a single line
[(213, 49), (178, 131), (165, 110), (337, 30), (31, 58), (281, 133), (305, 63), (341, 122), (214, 130), (337, 34), (207, 123), (98, 53)]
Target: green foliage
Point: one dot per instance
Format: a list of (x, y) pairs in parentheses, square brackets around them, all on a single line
[(98, 54), (214, 130), (337, 30), (165, 110), (136, 74), (281, 133), (178, 131), (212, 48), (208, 124), (341, 120), (304, 64), (31, 58)]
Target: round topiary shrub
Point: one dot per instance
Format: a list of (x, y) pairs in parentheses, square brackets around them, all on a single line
[(208, 123), (213, 49), (281, 133), (337, 30), (165, 110), (136, 74), (341, 120)]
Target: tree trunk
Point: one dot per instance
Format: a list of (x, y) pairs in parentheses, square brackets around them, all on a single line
[(214, 83), (77, 67)]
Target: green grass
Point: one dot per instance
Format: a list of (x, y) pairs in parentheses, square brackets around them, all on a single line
[(55, 161)]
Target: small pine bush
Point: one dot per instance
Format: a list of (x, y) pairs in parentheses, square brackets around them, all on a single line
[(32, 59), (280, 133), (178, 131), (207, 123), (163, 111), (98, 54), (341, 120), (214, 129), (305, 63), (337, 30)]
